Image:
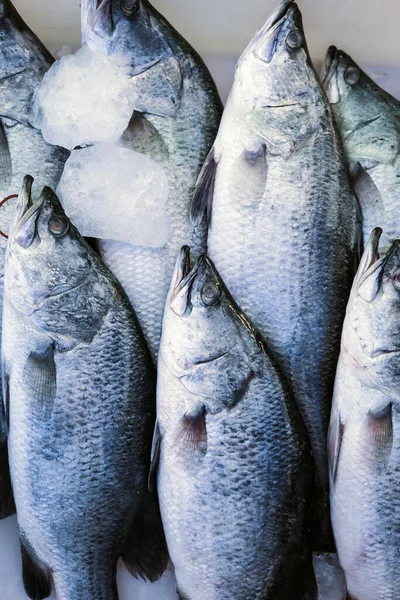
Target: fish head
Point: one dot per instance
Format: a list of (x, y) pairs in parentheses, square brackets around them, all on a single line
[(134, 31), (23, 62), (374, 308), (276, 83), (51, 273), (202, 323), (366, 114)]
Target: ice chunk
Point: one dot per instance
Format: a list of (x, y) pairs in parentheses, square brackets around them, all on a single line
[(84, 98), (330, 577), (113, 193)]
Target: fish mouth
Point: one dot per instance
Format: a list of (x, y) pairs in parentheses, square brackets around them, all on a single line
[(183, 278), (27, 212), (279, 14), (268, 34), (330, 64)]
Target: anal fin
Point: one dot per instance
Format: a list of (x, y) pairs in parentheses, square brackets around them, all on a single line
[(37, 581), (146, 554)]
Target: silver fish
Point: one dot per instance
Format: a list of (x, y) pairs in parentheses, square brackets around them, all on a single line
[(175, 124), (23, 62), (234, 468), (369, 121), (283, 221), (79, 402), (364, 436)]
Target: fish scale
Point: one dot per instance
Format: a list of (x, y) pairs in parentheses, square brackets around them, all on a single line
[(283, 229)]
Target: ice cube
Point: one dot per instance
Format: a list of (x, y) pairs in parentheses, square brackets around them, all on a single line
[(84, 98), (330, 577), (110, 192)]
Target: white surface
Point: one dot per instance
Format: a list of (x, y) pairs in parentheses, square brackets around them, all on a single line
[(366, 28), (137, 186)]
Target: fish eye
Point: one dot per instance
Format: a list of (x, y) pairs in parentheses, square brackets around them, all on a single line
[(129, 7), (294, 40), (352, 75), (396, 279), (210, 294), (58, 226)]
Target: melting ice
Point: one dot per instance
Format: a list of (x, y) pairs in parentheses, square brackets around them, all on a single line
[(84, 98), (114, 193)]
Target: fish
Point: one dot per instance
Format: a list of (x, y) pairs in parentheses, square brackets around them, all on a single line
[(231, 455), (283, 222), (368, 118), (23, 62), (364, 434), (80, 409), (177, 114)]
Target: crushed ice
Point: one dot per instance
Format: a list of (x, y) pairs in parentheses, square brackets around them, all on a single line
[(84, 98), (110, 192)]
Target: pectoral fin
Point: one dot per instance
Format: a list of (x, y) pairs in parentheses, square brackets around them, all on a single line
[(379, 432), (142, 136), (37, 581), (368, 195), (40, 378), (192, 432), (204, 193)]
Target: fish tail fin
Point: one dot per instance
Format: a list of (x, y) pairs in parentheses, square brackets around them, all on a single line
[(307, 583), (146, 554)]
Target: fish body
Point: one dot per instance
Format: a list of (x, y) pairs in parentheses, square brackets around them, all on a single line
[(234, 470), (283, 220), (79, 402), (369, 120), (23, 62), (177, 117), (364, 437)]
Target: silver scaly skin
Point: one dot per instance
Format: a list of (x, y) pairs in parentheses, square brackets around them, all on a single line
[(369, 121), (23, 62), (175, 124), (234, 468), (283, 221), (364, 436), (79, 387)]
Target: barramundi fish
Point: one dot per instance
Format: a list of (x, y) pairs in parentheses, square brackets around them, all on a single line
[(283, 221), (79, 404), (234, 467)]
